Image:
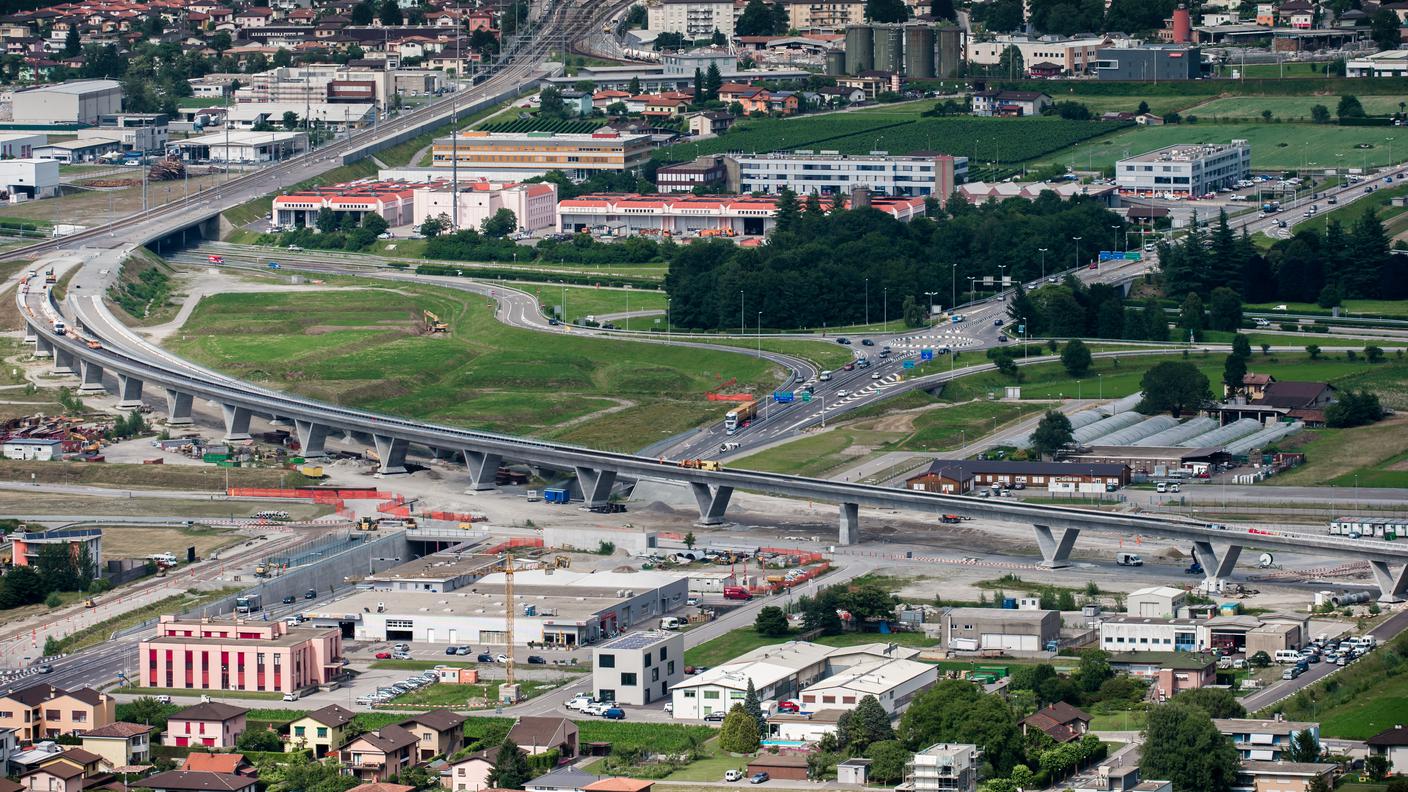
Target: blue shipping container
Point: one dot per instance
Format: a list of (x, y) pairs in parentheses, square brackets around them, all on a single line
[(556, 496)]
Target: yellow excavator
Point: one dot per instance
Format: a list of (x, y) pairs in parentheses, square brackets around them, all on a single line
[(433, 323)]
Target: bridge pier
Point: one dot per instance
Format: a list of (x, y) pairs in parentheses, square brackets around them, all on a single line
[(596, 485), (1055, 548), (483, 467), (850, 524), (1393, 583), (236, 422), (92, 375), (43, 347), (129, 392), (178, 408), (63, 361), (1217, 562), (391, 451), (29, 334), (311, 438), (713, 502)]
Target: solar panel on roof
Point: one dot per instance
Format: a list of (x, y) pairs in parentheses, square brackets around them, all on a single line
[(634, 641)]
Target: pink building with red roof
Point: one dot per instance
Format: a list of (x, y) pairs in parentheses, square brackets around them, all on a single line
[(393, 200), (534, 205), (680, 215)]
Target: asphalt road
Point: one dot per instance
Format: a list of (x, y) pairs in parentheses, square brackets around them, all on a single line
[(1283, 690)]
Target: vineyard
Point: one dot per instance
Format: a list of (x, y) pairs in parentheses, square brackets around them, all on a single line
[(544, 125), (986, 139)]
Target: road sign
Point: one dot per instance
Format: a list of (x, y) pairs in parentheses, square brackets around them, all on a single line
[(909, 364), (926, 354), (806, 396), (1134, 255)]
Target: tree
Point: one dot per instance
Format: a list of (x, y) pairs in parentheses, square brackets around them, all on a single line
[(1076, 358), (1241, 346), (259, 740), (434, 226), (550, 103), (943, 9), (146, 711), (1329, 297), (1376, 767), (1224, 309), (72, 43), (756, 20), (510, 767), (1320, 114), (326, 221), (290, 119), (912, 312), (1234, 373), (633, 87), (1175, 387), (362, 13), (689, 540), (1053, 433), (739, 733), (500, 225), (1266, 116), (1319, 784), (713, 81), (869, 723), (1354, 408), (754, 708), (1313, 350), (887, 761), (1259, 660), (21, 586), (886, 10), (1215, 702), (771, 622), (1182, 745), (305, 777), (788, 211), (390, 13), (1373, 354), (1094, 668), (1143, 107), (1385, 29), (1010, 62), (1305, 747), (1191, 317), (220, 42), (282, 58), (957, 711), (1349, 107)]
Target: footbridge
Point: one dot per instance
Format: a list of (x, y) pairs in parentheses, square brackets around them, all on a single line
[(111, 362)]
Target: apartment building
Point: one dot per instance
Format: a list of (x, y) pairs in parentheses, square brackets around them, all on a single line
[(318, 83), (1185, 170), (693, 19), (945, 767), (1263, 740), (825, 173), (42, 711), (525, 154), (227, 654), (638, 668), (209, 724), (377, 755), (323, 730), (120, 743)]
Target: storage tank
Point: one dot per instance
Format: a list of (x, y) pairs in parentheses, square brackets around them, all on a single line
[(835, 63), (860, 49), (950, 51), (1182, 25), (919, 52), (889, 48)]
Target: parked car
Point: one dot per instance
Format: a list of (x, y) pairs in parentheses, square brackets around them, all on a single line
[(382, 655), (485, 657), (452, 650), (400, 655), (289, 600), (614, 713), (788, 706), (714, 717), (310, 594), (464, 650), (537, 660), (402, 647), (760, 778), (733, 775)]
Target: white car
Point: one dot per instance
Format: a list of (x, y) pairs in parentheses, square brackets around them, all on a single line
[(875, 375), (669, 706), (1261, 323), (843, 393)]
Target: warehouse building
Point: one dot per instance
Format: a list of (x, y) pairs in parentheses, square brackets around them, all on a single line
[(438, 573), (40, 449), (638, 668), (976, 629), (242, 146), (76, 102), (683, 215), (325, 115), (534, 206), (1164, 602), (957, 476), (894, 682), (1149, 634), (1189, 170), (1151, 63), (558, 607), (20, 145), (88, 147), (392, 200)]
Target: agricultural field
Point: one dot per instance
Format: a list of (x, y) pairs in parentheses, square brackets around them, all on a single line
[(536, 124), (368, 348), (1274, 146), (987, 139), (1291, 108), (1365, 456)]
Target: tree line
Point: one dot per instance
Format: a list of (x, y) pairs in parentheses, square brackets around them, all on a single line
[(821, 260), (56, 569)]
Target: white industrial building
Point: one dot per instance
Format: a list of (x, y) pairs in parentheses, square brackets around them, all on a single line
[(558, 607), (1164, 602), (827, 173), (534, 206), (781, 671), (1149, 634), (1389, 63), (29, 178), (77, 102), (242, 146), (893, 682), (85, 148), (144, 132), (638, 668), (39, 449), (328, 115), (1190, 170), (20, 145)]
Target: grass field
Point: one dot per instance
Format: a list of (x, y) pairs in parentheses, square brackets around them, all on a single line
[(100, 632), (1290, 108), (443, 695), (16, 502), (1374, 454), (746, 639), (366, 348), (1273, 70), (1287, 146), (1393, 308), (1133, 720), (582, 302), (130, 541), (182, 477), (1368, 715)]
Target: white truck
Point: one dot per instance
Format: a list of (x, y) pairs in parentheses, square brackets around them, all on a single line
[(1128, 559)]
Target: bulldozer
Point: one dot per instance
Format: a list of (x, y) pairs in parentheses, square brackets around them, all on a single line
[(433, 323), (562, 562)]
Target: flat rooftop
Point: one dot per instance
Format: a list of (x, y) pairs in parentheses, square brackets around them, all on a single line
[(238, 137), (294, 637), (1185, 153), (545, 137), (579, 584), (438, 567), (462, 603)]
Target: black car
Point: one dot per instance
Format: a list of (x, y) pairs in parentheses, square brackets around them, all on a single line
[(845, 341), (289, 600), (537, 660), (485, 658), (449, 650), (310, 594), (554, 322), (714, 717), (866, 342)]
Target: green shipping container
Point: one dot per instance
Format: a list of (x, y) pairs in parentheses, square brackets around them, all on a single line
[(297, 460), (1390, 534), (214, 457)]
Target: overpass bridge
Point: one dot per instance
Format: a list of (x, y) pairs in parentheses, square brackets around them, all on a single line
[(90, 354)]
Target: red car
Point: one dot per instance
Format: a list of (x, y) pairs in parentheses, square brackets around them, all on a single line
[(217, 259), (788, 706), (383, 655)]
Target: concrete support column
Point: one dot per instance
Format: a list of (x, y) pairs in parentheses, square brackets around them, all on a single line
[(1217, 562), (43, 347), (392, 453), (1393, 582), (178, 408), (129, 392), (92, 378), (850, 524), (713, 501), (236, 422), (596, 485), (1055, 547), (29, 334), (311, 438), (63, 361), (483, 467)]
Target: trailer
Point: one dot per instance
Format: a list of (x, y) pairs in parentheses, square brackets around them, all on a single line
[(556, 495)]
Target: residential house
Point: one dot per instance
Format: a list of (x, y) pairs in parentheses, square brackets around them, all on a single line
[(120, 744), (191, 781), (1170, 673), (211, 724), (437, 733), (43, 711), (837, 94), (1284, 776), (323, 730), (1061, 722), (604, 99), (90, 764), (225, 763), (378, 755), (563, 779), (711, 122), (619, 784), (59, 777), (1263, 740), (1009, 103), (1392, 743), (666, 105), (872, 83), (470, 774), (538, 735)]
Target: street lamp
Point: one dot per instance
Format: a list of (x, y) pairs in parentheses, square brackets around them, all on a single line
[(667, 316), (867, 301), (760, 334), (1026, 353), (741, 327), (1077, 241), (931, 296), (972, 288), (886, 305), (1101, 379), (1042, 251), (1123, 244)]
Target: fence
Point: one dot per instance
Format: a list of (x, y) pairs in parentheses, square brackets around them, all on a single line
[(516, 542)]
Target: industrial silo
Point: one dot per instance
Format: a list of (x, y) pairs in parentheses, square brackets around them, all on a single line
[(950, 40), (860, 49), (835, 63), (918, 52), (889, 48)]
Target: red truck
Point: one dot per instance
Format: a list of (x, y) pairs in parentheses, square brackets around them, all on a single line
[(737, 593)]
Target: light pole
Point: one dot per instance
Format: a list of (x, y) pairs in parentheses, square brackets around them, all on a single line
[(1077, 241), (972, 288), (1042, 251), (886, 306), (867, 301), (760, 334), (1026, 353), (564, 302), (1116, 229), (742, 329), (667, 317), (1100, 378), (930, 307), (953, 285), (1001, 277)]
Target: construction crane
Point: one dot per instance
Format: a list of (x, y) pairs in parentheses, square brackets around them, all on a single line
[(433, 323), (508, 625)]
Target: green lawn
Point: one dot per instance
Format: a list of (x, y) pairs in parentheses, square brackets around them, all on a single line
[(1119, 721), (582, 302), (365, 347), (1368, 715), (1391, 308), (1287, 146), (1365, 456), (745, 639), (446, 695), (1290, 108), (1271, 71)]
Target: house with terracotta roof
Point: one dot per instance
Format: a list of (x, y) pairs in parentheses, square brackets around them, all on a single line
[(189, 781), (470, 774), (380, 754), (121, 743), (1061, 722), (43, 711), (437, 732), (212, 724), (323, 730), (58, 777), (619, 784), (537, 735), (225, 763)]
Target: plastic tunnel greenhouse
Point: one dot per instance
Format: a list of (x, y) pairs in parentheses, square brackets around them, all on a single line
[(1268, 435), (1177, 434), (1099, 429), (1223, 435), (1143, 429)]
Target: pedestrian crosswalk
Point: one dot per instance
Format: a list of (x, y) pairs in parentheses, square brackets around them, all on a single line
[(949, 337)]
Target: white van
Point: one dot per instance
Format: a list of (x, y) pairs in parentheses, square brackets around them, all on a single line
[(1286, 656), (1128, 559), (825, 376), (670, 623)]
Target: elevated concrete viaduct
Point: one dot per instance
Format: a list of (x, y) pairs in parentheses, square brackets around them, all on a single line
[(1056, 527)]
